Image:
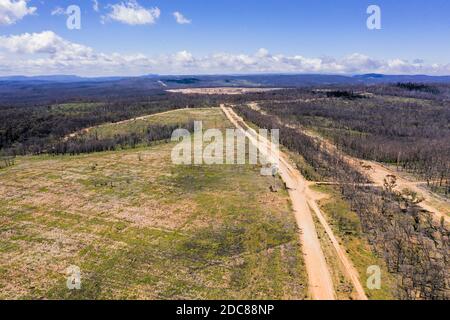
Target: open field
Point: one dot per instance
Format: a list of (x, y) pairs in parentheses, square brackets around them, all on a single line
[(210, 117), (140, 227), (223, 90)]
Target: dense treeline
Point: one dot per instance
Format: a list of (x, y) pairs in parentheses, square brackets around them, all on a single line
[(343, 94), (390, 127), (411, 133), (436, 92), (326, 163), (432, 92), (91, 143), (32, 118), (32, 93), (414, 246), (32, 129), (418, 87)]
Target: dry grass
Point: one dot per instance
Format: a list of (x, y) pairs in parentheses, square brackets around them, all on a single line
[(223, 90), (140, 227)]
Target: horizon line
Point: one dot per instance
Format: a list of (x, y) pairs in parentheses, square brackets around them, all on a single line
[(347, 75)]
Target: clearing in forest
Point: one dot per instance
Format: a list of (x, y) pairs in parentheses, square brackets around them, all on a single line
[(140, 227)]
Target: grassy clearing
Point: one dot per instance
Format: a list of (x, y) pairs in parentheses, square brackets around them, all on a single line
[(347, 228), (211, 118), (140, 227)]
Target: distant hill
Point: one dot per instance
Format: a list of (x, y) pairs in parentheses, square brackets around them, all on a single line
[(58, 78), (373, 77), (153, 81)]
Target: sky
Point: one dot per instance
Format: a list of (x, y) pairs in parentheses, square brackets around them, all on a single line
[(137, 37)]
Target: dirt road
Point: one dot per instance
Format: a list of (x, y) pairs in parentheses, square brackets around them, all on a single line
[(377, 173), (320, 282)]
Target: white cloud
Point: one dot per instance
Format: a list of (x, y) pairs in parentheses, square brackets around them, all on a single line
[(58, 11), (180, 18), (130, 12), (12, 11), (46, 42), (48, 53), (95, 5), (262, 53)]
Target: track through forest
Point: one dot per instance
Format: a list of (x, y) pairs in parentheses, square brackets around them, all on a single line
[(320, 282), (378, 173)]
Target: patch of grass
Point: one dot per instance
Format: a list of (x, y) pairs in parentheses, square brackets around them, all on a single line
[(342, 285), (303, 166), (211, 118), (347, 227)]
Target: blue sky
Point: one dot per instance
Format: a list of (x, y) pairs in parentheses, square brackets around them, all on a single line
[(324, 36)]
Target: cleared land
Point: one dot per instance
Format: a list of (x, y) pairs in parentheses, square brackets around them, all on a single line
[(209, 116), (224, 90), (140, 227)]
